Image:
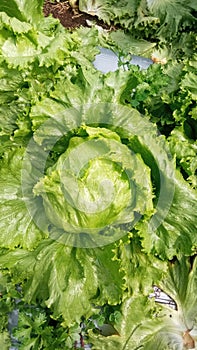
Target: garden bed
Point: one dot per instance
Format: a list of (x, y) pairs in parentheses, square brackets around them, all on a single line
[(98, 175)]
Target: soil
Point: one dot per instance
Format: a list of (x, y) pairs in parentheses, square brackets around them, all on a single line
[(71, 17)]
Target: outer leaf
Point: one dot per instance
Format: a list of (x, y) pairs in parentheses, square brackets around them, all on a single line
[(14, 24), (185, 150), (141, 271), (128, 44), (69, 280), (15, 125), (135, 313), (178, 327), (23, 10), (181, 285), (171, 14), (81, 90), (188, 83), (24, 44), (16, 225), (108, 10), (5, 341), (12, 9), (19, 51), (177, 233)]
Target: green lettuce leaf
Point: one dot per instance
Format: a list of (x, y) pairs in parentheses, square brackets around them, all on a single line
[(15, 125), (14, 24), (172, 15), (136, 312), (5, 341), (23, 10), (188, 83), (147, 326), (83, 199), (146, 270), (110, 10), (16, 224), (126, 43), (185, 151), (177, 233), (67, 279), (179, 325), (44, 41), (72, 281)]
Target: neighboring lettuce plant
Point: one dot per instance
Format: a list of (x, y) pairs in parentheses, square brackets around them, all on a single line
[(170, 25), (145, 326)]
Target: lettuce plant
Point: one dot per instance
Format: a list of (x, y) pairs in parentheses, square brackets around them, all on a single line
[(94, 199)]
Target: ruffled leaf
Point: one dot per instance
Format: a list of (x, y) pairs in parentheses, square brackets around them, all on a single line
[(17, 227), (68, 279)]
